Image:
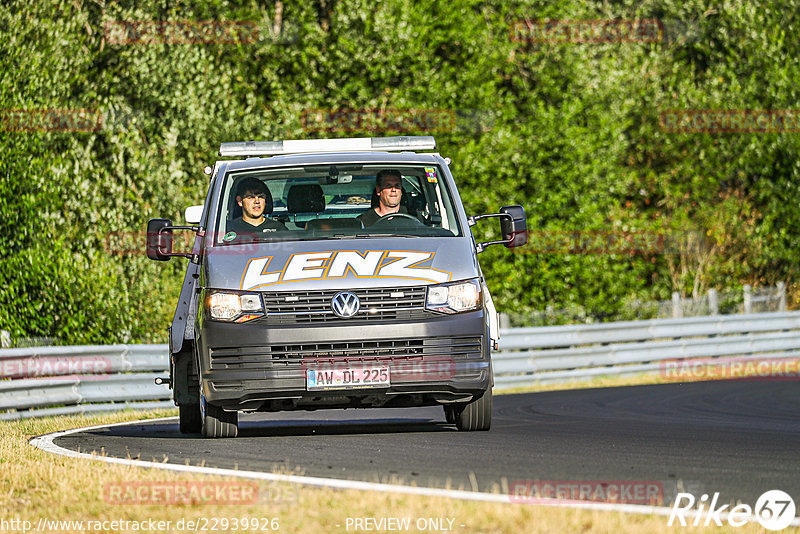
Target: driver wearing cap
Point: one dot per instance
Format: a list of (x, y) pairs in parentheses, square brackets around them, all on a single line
[(388, 187)]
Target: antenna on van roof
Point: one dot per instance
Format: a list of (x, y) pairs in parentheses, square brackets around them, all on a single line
[(353, 144)]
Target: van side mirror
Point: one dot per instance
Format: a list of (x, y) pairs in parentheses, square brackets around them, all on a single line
[(513, 227), (159, 239)]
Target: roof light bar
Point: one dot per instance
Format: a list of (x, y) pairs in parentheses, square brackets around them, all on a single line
[(354, 144)]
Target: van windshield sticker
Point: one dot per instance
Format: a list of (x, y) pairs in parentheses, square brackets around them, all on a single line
[(343, 264), (430, 173)]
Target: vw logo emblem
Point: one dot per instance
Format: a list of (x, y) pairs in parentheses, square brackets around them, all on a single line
[(345, 304)]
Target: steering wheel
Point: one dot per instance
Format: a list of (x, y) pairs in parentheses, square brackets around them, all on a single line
[(390, 216)]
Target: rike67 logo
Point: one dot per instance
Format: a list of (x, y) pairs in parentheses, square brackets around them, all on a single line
[(774, 510)]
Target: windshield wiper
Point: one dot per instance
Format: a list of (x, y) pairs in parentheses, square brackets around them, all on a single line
[(326, 237), (365, 236), (391, 235)]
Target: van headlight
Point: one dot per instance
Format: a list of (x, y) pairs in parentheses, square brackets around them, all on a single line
[(454, 297), (236, 307)]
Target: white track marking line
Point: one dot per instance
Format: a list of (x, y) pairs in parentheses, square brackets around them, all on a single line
[(45, 443)]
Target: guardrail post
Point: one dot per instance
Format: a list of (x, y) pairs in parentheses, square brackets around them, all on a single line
[(748, 298), (677, 312), (713, 302), (781, 296), (505, 321)]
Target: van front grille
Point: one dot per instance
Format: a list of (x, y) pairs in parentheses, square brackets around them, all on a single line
[(299, 356), (378, 304)]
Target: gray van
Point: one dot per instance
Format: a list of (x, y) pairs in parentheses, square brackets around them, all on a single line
[(303, 293)]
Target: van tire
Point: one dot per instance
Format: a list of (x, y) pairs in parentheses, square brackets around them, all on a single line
[(190, 418), (217, 423), (475, 415)]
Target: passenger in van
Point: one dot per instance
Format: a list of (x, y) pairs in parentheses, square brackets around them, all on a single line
[(388, 183), (253, 196)]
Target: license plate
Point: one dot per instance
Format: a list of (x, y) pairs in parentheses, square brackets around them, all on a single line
[(347, 378)]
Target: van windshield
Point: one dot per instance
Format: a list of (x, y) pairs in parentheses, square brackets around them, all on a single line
[(335, 202)]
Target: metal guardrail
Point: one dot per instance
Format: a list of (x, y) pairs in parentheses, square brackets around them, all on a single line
[(573, 352), (61, 380), (45, 381)]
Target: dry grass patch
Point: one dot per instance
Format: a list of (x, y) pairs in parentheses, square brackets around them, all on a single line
[(598, 382)]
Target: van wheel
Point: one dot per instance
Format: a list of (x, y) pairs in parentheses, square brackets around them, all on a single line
[(217, 423), (190, 418), (475, 415)]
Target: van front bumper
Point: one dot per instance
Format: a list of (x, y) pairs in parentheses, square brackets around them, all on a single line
[(440, 360)]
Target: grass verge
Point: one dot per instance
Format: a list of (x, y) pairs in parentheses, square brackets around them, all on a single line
[(597, 382), (35, 484)]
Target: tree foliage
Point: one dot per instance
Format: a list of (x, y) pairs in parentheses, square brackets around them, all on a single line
[(571, 131)]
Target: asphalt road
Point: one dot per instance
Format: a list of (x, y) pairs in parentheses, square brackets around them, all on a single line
[(739, 438)]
